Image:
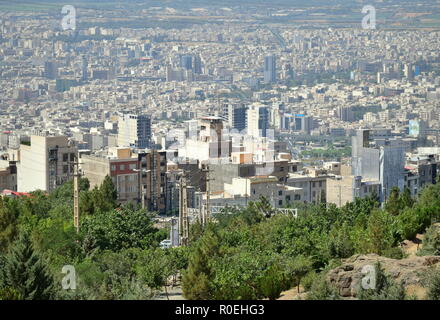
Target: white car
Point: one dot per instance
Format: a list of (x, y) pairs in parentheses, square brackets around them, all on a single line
[(165, 244)]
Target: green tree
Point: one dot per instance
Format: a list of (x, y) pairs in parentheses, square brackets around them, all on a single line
[(406, 199), (120, 228), (108, 192), (26, 273), (273, 282), (393, 204), (86, 203), (296, 268), (8, 223), (195, 281), (378, 236), (265, 207), (154, 269)]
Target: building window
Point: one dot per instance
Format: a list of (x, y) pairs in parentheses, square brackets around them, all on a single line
[(253, 191), (65, 168), (122, 167), (132, 166), (280, 192), (72, 157), (313, 184), (65, 157), (287, 198), (297, 197), (280, 202), (320, 184), (113, 167)]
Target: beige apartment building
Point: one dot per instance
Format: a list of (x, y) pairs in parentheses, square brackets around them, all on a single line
[(121, 166), (344, 189), (45, 163)]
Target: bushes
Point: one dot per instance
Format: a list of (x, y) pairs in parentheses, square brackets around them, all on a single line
[(309, 279), (431, 242), (322, 290), (273, 282), (432, 283)]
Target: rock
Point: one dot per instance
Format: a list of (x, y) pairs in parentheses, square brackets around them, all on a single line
[(347, 277)]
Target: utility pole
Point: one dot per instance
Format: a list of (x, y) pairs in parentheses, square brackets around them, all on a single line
[(207, 214), (339, 196), (183, 212), (76, 194), (208, 195)]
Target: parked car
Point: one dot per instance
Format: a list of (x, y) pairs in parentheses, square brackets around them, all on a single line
[(165, 244)]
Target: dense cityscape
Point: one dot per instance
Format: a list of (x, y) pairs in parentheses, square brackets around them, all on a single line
[(234, 151)]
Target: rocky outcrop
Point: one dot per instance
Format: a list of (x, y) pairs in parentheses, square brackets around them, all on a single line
[(347, 277)]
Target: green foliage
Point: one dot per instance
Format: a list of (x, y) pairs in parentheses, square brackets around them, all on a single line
[(9, 293), (432, 283), (120, 229), (296, 268), (8, 223), (378, 235), (99, 199), (249, 253), (264, 207), (322, 290), (195, 281), (308, 280), (111, 275), (393, 204), (431, 242), (273, 282), (394, 253), (26, 273), (397, 201), (153, 268)]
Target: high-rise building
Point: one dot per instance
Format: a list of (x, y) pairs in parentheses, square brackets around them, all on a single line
[(345, 114), (408, 71), (208, 143), (197, 65), (50, 70), (235, 114), (153, 169), (270, 69), (134, 131), (186, 62), (384, 163), (84, 76), (46, 163), (303, 123), (257, 120)]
